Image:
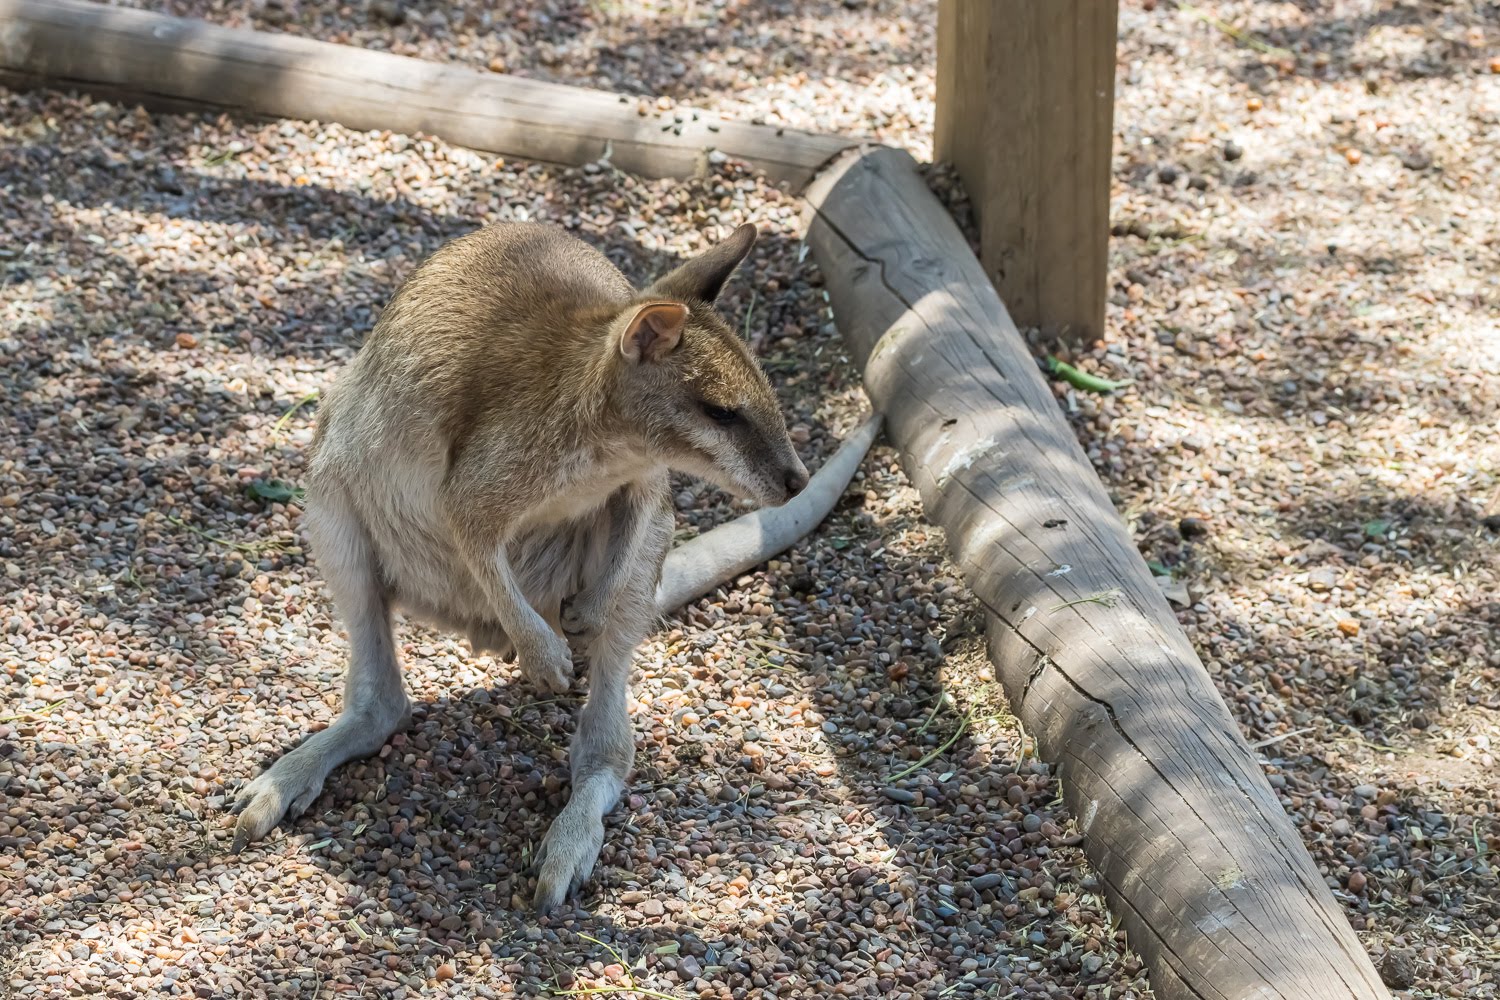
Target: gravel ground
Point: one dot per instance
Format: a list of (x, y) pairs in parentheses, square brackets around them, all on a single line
[(185, 285), (1305, 289)]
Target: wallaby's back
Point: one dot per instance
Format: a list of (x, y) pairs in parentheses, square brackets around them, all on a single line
[(495, 324)]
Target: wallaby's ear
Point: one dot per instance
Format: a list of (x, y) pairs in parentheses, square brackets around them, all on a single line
[(654, 331), (703, 277)]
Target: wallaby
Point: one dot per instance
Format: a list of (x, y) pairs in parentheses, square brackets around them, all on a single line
[(494, 461)]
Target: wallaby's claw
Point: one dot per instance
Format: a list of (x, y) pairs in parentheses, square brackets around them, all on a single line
[(283, 792), (550, 665), (566, 858)]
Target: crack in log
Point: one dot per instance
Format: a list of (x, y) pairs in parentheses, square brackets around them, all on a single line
[(1036, 671), (880, 264), (1042, 664)]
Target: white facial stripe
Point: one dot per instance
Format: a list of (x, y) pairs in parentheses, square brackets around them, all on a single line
[(729, 468)]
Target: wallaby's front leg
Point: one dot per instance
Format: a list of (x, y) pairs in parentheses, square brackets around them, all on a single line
[(604, 747), (630, 510), (375, 702), (541, 652), (600, 757)]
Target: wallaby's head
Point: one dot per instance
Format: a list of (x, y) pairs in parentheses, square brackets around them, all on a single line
[(691, 386)]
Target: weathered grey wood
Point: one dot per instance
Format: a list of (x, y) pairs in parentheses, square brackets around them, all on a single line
[(1214, 887), (1025, 111), (179, 63), (720, 554)]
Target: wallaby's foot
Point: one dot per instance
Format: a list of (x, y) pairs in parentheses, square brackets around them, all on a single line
[(294, 781), (546, 662), (286, 790), (567, 855)]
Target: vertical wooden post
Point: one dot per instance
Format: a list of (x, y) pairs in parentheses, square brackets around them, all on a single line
[(1025, 111)]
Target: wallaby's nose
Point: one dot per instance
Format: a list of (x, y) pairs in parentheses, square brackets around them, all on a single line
[(796, 482)]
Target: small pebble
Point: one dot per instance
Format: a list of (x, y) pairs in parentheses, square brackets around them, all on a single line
[(987, 881), (1192, 527), (1397, 970)]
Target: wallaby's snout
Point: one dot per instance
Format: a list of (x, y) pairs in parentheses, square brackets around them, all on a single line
[(785, 474), (795, 479)]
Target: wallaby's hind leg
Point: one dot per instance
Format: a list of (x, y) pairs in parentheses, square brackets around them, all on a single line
[(600, 757), (375, 703), (603, 748)]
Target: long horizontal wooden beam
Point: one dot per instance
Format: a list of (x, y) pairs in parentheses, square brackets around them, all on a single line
[(1212, 882), (175, 63)]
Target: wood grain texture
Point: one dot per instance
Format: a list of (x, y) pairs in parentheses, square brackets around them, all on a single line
[(181, 64), (1025, 111), (1214, 886)]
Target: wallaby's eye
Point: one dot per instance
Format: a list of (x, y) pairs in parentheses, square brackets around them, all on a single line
[(719, 414)]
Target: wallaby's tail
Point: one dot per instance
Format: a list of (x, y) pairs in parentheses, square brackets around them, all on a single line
[(717, 556)]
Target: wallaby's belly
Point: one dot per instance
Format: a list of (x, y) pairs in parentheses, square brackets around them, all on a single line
[(428, 577), (393, 482)]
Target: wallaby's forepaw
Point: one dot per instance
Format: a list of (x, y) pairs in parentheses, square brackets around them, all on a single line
[(286, 790), (582, 620), (566, 858), (548, 663)]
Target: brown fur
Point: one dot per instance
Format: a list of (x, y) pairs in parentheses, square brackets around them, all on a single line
[(495, 461)]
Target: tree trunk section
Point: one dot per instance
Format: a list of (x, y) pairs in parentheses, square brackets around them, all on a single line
[(1213, 885), (180, 64)]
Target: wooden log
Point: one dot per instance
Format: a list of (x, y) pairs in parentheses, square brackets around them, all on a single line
[(1213, 885), (1025, 111), (720, 554), (179, 64)]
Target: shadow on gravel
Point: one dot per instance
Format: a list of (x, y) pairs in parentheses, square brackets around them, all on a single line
[(1330, 48), (972, 842)]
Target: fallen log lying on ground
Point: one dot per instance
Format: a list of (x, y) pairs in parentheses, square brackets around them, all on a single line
[(1198, 859), (177, 64)]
